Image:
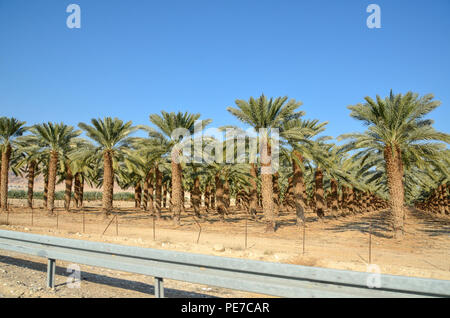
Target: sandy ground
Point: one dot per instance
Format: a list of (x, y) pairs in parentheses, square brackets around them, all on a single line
[(341, 243)]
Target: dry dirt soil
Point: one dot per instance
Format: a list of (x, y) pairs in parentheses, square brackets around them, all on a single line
[(341, 243)]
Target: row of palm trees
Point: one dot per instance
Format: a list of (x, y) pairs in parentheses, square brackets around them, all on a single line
[(437, 200), (396, 161)]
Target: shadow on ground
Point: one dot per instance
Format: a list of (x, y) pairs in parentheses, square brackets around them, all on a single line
[(433, 225), (378, 224), (102, 279)]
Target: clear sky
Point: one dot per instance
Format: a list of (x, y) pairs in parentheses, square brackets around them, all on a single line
[(133, 58)]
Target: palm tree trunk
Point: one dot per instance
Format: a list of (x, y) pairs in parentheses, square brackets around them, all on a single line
[(45, 191), (441, 190), (363, 205), (6, 154), (149, 183), (52, 171), (369, 201), (396, 191), (158, 194), (253, 205), (31, 171), (151, 207), (220, 206), (359, 202), (145, 195), (108, 183), (238, 201), (299, 188), (195, 197), (226, 194), (351, 200), (318, 178), (68, 190), (77, 190), (267, 185), (183, 197), (276, 194), (344, 202), (207, 197), (164, 196), (290, 196), (82, 190), (435, 200), (334, 197), (245, 200), (258, 194), (213, 201), (176, 197), (446, 199), (137, 195), (267, 201)]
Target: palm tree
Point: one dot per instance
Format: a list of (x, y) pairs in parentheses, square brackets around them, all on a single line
[(70, 164), (265, 116), (397, 131), (85, 166), (143, 161), (111, 137), (127, 177), (298, 134), (56, 141), (426, 186), (168, 124), (253, 166), (10, 128), (31, 163)]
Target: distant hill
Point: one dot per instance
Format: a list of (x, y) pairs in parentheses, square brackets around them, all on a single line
[(20, 183)]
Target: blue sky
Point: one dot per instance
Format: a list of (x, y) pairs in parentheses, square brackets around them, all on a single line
[(134, 58)]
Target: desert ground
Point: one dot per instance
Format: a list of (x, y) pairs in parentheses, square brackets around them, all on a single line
[(341, 243)]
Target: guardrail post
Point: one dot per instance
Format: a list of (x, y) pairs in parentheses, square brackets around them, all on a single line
[(51, 266), (159, 287)]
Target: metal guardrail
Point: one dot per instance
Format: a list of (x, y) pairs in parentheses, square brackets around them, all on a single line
[(260, 277)]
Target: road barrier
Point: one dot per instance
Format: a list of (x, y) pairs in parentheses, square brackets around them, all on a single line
[(275, 279)]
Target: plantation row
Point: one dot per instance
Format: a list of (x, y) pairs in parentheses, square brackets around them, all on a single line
[(399, 160), (438, 201), (59, 195)]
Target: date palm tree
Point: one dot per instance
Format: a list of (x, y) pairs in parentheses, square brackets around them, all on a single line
[(111, 136), (266, 116), (298, 134), (55, 140), (31, 162), (397, 131), (85, 167), (154, 152), (68, 168), (428, 183), (169, 124), (10, 128)]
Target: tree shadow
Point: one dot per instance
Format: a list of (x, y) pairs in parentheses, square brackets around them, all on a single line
[(379, 225), (434, 225), (102, 279)]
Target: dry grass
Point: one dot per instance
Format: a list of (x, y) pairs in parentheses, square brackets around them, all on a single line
[(305, 261)]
